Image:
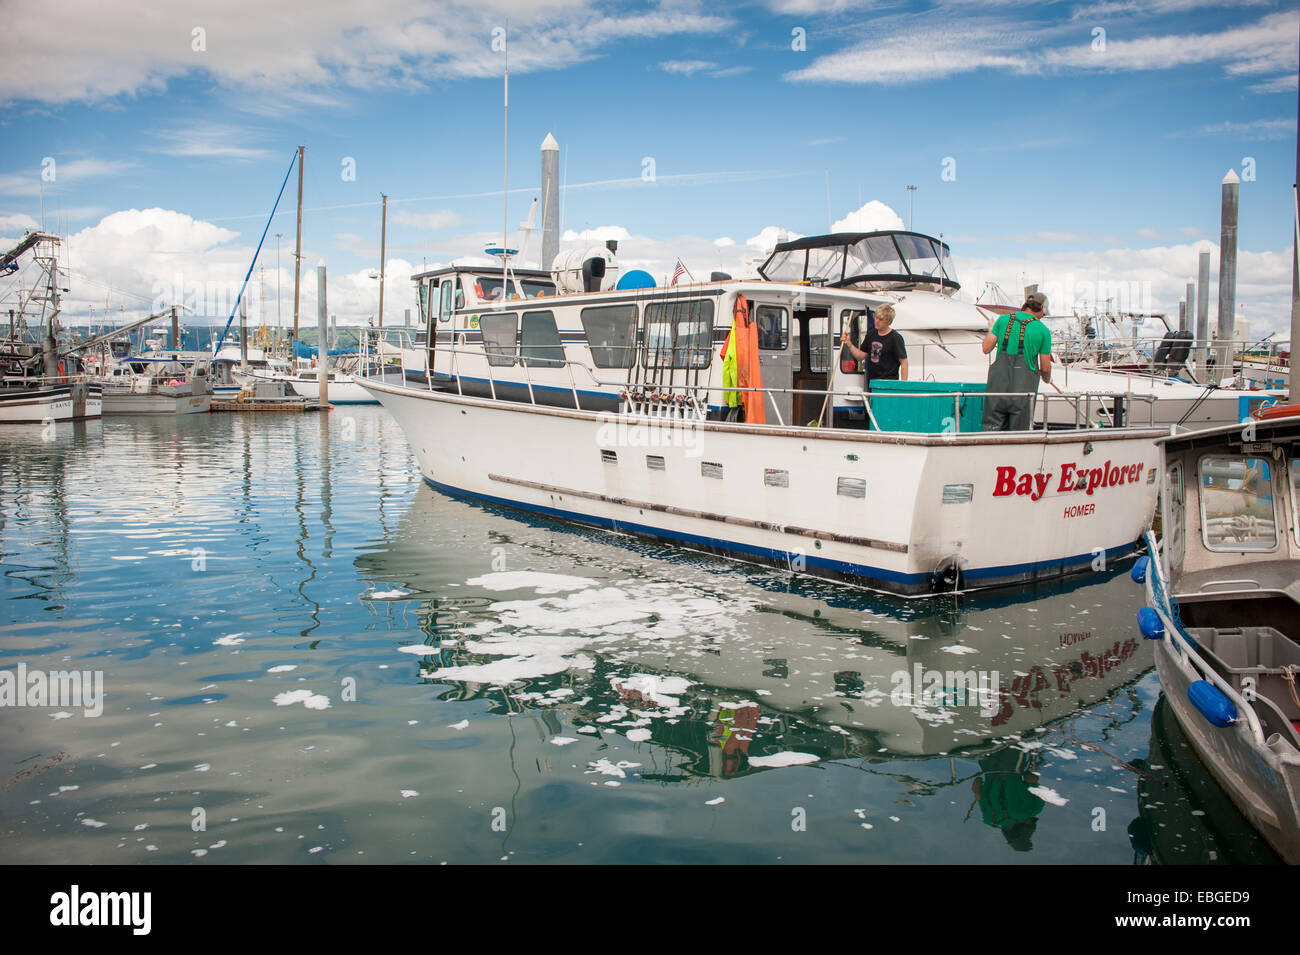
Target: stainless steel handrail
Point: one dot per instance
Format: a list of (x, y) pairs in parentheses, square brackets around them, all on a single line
[(639, 392)]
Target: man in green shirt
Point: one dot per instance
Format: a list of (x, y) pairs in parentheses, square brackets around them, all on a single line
[(1024, 346)]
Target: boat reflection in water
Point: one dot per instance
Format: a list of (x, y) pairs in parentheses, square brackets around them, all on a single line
[(1184, 816), (733, 674)]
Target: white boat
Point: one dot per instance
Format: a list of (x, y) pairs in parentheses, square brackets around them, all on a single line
[(606, 407), (135, 385), (1223, 607), (40, 401)]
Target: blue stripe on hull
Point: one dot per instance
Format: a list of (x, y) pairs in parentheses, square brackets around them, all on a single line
[(890, 580)]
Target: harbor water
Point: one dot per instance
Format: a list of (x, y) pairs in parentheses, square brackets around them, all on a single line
[(306, 655)]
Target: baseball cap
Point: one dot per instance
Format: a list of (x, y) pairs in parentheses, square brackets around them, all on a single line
[(1038, 300)]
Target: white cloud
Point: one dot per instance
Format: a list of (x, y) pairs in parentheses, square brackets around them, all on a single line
[(1143, 280), (686, 67), (1147, 233), (208, 140), (62, 172), (901, 52), (89, 50), (1252, 129), (769, 236), (1279, 84), (724, 242), (14, 224), (432, 221), (875, 216), (599, 234)]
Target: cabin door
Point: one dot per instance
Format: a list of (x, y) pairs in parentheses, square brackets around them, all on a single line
[(812, 356), (774, 360)]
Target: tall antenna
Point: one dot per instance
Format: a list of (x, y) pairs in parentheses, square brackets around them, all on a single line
[(505, 140)]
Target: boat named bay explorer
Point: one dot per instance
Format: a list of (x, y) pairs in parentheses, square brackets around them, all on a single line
[(1223, 607), (722, 416)]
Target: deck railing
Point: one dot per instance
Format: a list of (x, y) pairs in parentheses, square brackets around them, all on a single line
[(690, 401)]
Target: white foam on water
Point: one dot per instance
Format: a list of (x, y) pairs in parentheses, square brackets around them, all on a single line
[(233, 639), (530, 580), (313, 701), (387, 594), (784, 759), (408, 793), (419, 649), (562, 740), (959, 649), (93, 823), (607, 768), (638, 735), (715, 802), (463, 724), (1048, 795)]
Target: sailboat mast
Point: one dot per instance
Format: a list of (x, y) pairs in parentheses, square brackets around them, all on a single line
[(383, 254), (297, 252)]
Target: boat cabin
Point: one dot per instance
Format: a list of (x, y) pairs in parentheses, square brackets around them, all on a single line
[(1231, 500), (518, 338)]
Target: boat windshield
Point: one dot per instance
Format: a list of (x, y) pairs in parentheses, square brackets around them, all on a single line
[(1237, 504), (876, 259), (533, 288)]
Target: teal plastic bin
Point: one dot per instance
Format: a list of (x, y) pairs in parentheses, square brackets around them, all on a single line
[(927, 415)]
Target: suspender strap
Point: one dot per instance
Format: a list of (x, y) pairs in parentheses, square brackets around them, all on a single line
[(1007, 337)]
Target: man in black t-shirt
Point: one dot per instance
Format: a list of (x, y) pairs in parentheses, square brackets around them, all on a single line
[(882, 347)]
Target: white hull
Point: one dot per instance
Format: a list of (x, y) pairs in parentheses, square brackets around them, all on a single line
[(64, 402), (342, 390), (895, 535), (130, 403)]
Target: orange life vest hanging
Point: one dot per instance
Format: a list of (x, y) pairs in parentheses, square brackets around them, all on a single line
[(748, 373)]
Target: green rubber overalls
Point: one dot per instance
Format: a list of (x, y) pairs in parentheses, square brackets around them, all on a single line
[(1011, 373)]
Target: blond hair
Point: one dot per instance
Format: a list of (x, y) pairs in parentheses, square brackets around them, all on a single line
[(886, 312)]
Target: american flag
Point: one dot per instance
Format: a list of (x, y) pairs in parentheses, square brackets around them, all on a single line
[(678, 272)]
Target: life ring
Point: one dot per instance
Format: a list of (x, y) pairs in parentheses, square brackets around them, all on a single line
[(1276, 411)]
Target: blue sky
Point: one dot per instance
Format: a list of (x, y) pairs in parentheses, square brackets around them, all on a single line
[(1082, 139)]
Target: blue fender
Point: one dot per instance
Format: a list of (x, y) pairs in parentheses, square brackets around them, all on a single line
[(1217, 709), (1139, 571), (1149, 623)]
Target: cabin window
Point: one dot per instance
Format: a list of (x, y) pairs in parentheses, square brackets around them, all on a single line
[(819, 343), (773, 327), (679, 334), (1295, 498), (539, 343), (611, 333), (1174, 531), (1237, 504), (444, 303), (489, 289), (499, 337), (424, 302)]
